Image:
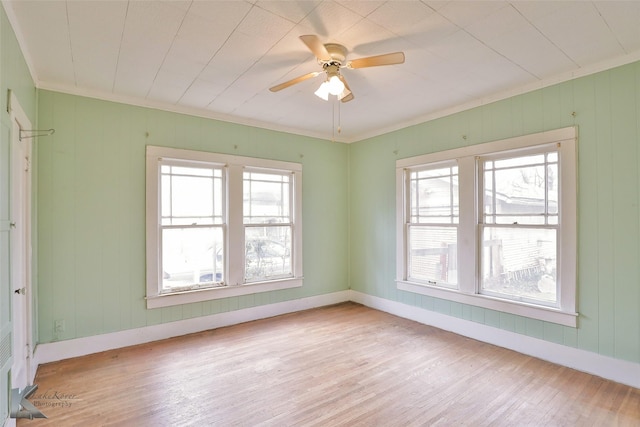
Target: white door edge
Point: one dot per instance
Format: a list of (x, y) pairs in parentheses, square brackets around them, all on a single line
[(21, 256)]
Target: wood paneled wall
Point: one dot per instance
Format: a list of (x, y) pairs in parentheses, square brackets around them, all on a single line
[(91, 211), (606, 109)]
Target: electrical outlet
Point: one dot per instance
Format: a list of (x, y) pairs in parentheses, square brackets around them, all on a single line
[(58, 326)]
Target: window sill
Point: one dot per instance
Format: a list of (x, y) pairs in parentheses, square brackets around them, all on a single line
[(546, 314), (187, 297)]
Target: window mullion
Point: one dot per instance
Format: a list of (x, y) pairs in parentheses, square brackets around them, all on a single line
[(467, 224), (235, 224)]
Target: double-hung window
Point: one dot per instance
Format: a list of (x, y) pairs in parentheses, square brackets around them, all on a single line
[(268, 224), (220, 225), (432, 226), (493, 225), (192, 225), (519, 225)]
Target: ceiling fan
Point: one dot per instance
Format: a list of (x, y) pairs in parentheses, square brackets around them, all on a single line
[(332, 57)]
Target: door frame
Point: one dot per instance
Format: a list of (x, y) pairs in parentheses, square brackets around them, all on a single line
[(21, 244)]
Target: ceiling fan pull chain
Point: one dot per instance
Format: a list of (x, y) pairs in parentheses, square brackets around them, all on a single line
[(333, 122), (339, 121)]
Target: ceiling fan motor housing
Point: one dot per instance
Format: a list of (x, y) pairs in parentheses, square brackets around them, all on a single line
[(337, 52)]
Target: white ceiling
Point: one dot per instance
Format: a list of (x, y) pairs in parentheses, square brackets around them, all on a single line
[(218, 58)]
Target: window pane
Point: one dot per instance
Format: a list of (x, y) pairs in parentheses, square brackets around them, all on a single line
[(266, 198), (519, 263), (488, 185), (519, 161), (267, 253), (192, 257), (165, 186), (521, 190), (217, 200), (552, 183), (191, 196), (191, 171), (433, 254), (434, 195)]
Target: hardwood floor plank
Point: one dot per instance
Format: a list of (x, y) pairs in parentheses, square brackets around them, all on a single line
[(343, 365)]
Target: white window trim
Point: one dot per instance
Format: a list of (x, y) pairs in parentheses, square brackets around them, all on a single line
[(468, 235), (235, 227)]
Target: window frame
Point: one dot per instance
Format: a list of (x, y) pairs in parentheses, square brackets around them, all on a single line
[(471, 214), (233, 228)]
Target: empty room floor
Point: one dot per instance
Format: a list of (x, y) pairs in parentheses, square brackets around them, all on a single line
[(342, 365)]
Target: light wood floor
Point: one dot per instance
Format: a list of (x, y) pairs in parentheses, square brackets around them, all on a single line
[(344, 365)]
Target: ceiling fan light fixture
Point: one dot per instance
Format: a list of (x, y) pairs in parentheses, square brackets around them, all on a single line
[(335, 85), (323, 91), (345, 92)]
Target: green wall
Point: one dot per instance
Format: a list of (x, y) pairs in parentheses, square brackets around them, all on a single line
[(91, 211), (607, 113)]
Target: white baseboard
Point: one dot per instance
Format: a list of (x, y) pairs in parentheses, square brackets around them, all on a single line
[(617, 370), (621, 371), (54, 351)]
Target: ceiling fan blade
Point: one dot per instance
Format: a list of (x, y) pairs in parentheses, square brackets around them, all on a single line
[(374, 61), (346, 94), (315, 45), (294, 81)]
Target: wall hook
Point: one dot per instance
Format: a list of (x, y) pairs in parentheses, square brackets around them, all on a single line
[(32, 133)]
